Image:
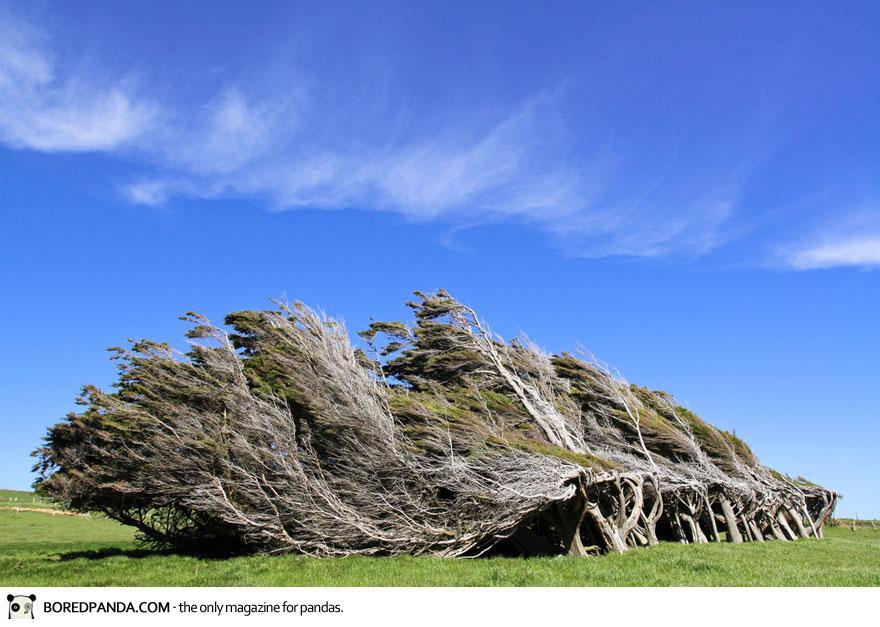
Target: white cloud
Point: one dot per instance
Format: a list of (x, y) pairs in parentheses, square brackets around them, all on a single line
[(490, 174), (433, 177), (150, 193), (42, 112), (509, 170), (514, 169), (223, 136), (852, 250), (322, 151)]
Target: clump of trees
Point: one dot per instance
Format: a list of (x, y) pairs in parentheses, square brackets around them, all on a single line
[(441, 438)]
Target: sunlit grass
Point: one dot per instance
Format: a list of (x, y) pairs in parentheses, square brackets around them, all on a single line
[(41, 549)]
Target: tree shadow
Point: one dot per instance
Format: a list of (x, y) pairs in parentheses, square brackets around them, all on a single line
[(142, 552), (99, 554)]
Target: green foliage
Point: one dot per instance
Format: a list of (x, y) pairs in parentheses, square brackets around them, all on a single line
[(799, 481), (540, 447), (261, 367), (716, 443), (193, 454)]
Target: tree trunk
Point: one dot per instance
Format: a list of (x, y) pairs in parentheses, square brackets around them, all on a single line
[(733, 534)]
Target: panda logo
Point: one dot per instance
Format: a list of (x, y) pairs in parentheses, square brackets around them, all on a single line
[(21, 606)]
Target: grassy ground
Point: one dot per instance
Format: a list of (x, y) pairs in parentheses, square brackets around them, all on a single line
[(41, 549), (15, 498)]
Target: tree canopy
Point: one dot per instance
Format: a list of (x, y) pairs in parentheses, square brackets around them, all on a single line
[(275, 433)]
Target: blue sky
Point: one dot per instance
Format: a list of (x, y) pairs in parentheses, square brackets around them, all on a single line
[(690, 190)]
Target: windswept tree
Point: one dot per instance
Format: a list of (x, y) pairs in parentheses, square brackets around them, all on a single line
[(440, 437)]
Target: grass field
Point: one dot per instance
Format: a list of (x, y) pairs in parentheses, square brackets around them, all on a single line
[(41, 549), (14, 498)]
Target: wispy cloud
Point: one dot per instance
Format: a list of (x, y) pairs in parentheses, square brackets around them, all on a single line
[(295, 150), (847, 237), (150, 193), (223, 136), (853, 250), (508, 170), (517, 168), (42, 111)]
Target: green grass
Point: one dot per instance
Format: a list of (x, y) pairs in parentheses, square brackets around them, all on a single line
[(16, 498), (41, 549)]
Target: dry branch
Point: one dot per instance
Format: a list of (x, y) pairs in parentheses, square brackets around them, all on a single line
[(282, 436)]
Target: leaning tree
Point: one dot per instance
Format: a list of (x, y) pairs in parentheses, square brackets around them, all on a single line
[(275, 434)]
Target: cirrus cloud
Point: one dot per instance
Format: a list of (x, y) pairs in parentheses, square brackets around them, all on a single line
[(294, 149), (861, 250), (41, 111)]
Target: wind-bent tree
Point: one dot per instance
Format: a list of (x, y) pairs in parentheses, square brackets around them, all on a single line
[(443, 439)]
